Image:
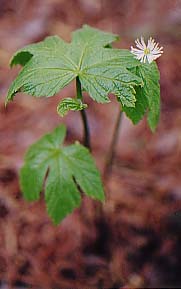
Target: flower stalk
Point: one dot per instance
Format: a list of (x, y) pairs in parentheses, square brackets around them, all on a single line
[(112, 149)]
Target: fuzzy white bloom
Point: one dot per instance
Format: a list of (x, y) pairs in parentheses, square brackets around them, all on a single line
[(146, 53)]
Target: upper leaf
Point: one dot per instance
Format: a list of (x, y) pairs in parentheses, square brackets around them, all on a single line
[(67, 167), (52, 64)]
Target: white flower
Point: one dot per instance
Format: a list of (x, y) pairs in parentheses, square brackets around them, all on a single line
[(146, 53)]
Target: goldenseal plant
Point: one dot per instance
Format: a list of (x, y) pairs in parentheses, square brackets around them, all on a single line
[(97, 68)]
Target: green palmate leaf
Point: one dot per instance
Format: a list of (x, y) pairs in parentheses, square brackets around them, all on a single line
[(70, 104), (52, 64), (147, 96), (67, 167)]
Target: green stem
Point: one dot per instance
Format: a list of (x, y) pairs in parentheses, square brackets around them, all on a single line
[(83, 116), (112, 149)]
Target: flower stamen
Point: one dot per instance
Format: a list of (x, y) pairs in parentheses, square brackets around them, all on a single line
[(146, 51)]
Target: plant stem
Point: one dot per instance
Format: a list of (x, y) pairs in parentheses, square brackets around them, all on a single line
[(78, 88), (112, 149), (86, 141)]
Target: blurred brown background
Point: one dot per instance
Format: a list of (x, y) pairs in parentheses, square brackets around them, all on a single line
[(134, 242)]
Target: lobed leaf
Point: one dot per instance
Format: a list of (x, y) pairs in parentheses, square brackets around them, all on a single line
[(63, 165), (52, 64)]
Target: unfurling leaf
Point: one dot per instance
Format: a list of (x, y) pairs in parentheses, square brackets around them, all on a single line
[(67, 166), (70, 104)]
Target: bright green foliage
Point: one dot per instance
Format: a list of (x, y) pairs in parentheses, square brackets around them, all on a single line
[(68, 167), (147, 97), (68, 104), (49, 66), (52, 64)]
